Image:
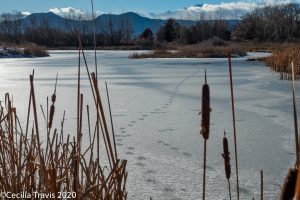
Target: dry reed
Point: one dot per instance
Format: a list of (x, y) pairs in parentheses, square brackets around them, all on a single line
[(205, 122), (261, 184), (295, 115), (234, 126), (202, 50), (290, 184), (280, 61)]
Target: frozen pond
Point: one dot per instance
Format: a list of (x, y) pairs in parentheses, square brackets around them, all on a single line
[(155, 104)]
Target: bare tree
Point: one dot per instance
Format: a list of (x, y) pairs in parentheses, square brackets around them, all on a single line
[(10, 26)]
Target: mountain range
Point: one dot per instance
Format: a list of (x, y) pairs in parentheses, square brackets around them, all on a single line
[(138, 22)]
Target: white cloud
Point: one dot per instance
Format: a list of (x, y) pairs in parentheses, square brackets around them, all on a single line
[(230, 10), (25, 13), (66, 11)]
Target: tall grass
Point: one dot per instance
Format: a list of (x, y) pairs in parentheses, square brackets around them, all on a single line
[(280, 61)]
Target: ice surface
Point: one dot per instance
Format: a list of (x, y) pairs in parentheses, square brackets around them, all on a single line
[(155, 103)]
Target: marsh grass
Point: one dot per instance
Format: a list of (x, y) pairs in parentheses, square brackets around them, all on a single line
[(33, 50), (28, 50), (208, 49), (280, 61), (60, 163)]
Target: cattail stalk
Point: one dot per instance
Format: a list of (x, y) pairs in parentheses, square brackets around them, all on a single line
[(95, 42), (52, 108), (234, 127), (204, 170), (289, 186), (205, 122), (28, 112), (261, 184), (295, 116), (111, 121)]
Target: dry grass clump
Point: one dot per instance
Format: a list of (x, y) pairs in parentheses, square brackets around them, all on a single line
[(33, 50), (207, 49), (28, 50), (280, 61)]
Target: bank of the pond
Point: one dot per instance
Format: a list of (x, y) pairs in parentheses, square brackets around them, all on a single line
[(28, 51)]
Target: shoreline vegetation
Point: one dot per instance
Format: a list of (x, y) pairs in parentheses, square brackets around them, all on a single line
[(270, 28), (280, 61), (23, 51), (207, 49), (282, 54)]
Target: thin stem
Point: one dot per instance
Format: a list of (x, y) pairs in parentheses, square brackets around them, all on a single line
[(204, 170), (229, 189), (111, 121), (234, 128), (28, 112), (95, 44), (295, 115), (261, 184)]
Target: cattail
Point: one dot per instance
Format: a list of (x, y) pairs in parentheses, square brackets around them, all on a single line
[(52, 108), (226, 157), (205, 113), (205, 119), (288, 189)]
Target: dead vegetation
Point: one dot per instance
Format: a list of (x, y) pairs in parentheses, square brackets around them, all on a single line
[(207, 49), (59, 165), (23, 51), (280, 61)]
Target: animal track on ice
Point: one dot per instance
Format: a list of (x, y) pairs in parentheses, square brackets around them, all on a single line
[(140, 164), (130, 148), (186, 154), (141, 158)]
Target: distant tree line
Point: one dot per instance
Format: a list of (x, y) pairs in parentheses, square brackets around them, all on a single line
[(270, 23), (172, 31), (41, 32)]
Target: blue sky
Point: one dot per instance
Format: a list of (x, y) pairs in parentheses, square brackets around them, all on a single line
[(149, 8), (114, 6)]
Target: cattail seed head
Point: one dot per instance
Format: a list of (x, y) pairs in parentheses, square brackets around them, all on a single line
[(53, 99), (205, 113), (52, 110), (226, 157)]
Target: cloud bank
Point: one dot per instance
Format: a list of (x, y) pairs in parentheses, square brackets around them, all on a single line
[(66, 11), (229, 10)]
